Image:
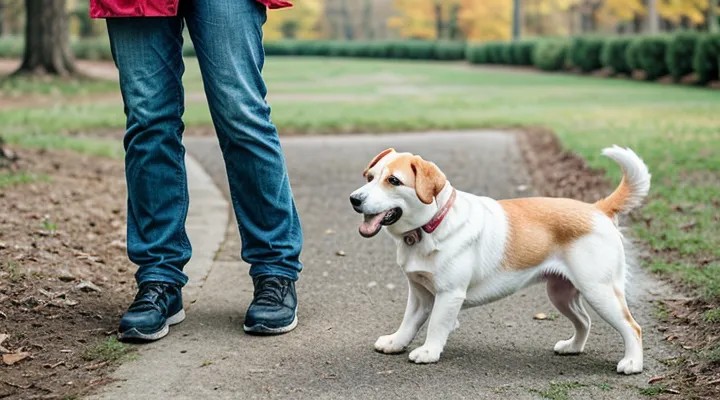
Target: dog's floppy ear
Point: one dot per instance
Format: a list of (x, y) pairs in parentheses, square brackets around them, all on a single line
[(377, 159), (429, 180)]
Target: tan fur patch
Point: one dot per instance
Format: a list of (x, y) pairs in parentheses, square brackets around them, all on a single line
[(538, 226), (626, 313), (376, 159), (615, 203), (424, 176)]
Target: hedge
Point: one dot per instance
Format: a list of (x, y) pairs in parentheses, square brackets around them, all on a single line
[(651, 57), (614, 55), (584, 53), (679, 54), (632, 53), (550, 55), (705, 61), (659, 55)]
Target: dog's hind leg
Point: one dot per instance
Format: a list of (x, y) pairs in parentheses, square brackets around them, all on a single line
[(598, 267), (566, 298)]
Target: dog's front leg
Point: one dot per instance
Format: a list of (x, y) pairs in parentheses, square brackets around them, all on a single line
[(416, 313), (442, 321)]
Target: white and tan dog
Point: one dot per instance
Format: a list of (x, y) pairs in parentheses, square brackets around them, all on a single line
[(460, 250)]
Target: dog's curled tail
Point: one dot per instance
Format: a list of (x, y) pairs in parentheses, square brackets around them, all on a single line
[(634, 186)]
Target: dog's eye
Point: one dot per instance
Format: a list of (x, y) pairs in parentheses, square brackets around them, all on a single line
[(394, 181)]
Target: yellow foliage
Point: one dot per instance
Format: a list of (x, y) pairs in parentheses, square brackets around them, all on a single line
[(674, 10), (622, 10), (304, 13)]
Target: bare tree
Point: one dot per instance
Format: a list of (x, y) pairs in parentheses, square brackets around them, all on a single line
[(47, 41)]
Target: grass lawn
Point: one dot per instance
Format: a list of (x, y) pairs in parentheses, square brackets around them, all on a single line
[(675, 129)]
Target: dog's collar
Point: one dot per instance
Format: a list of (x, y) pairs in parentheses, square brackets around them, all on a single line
[(415, 235)]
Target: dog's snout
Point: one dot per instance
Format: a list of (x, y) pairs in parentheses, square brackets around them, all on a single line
[(356, 200)]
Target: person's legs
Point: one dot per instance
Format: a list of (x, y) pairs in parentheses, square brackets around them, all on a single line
[(227, 35), (148, 55)]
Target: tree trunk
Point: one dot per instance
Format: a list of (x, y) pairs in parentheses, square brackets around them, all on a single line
[(438, 21), (47, 41), (2, 17), (653, 19)]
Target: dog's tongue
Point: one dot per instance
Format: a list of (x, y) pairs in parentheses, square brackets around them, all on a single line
[(371, 225)]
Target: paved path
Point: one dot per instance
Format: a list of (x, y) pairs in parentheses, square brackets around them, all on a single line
[(499, 351)]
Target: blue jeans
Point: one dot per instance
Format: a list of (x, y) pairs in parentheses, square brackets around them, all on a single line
[(227, 36)]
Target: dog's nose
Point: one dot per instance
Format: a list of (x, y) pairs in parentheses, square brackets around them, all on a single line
[(356, 200)]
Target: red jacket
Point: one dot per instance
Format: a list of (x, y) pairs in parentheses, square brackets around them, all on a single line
[(151, 8)]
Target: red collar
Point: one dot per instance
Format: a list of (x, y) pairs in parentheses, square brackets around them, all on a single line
[(415, 235)]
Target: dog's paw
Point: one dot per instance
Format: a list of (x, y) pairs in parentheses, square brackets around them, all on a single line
[(389, 344), (425, 355), (568, 347), (629, 366)]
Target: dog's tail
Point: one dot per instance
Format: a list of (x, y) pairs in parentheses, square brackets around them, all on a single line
[(634, 186)]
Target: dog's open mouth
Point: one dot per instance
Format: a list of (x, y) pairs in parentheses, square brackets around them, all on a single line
[(374, 222)]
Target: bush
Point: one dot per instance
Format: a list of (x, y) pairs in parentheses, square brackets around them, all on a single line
[(523, 53), (632, 53), (614, 55), (705, 61), (12, 46), (506, 53), (550, 55), (679, 54), (477, 54), (449, 50), (584, 53), (651, 57), (97, 49)]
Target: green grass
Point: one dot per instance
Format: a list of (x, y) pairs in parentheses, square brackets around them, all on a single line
[(108, 350), (8, 179), (22, 85), (673, 128), (653, 390)]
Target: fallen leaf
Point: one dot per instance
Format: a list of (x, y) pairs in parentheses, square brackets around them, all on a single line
[(656, 379), (672, 391), (540, 316), (96, 366), (340, 253), (87, 286), (329, 232), (3, 337), (12, 358), (53, 366), (3, 245)]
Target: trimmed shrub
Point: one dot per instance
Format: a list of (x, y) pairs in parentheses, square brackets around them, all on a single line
[(679, 54), (651, 57), (477, 54), (632, 53), (506, 53), (550, 55), (584, 53), (614, 55), (523, 52), (449, 50), (707, 58), (92, 49)]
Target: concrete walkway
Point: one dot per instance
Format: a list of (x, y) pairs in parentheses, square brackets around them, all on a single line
[(346, 302)]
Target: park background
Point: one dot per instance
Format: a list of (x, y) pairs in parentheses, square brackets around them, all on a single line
[(568, 76)]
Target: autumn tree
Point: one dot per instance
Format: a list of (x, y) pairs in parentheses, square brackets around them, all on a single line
[(47, 41)]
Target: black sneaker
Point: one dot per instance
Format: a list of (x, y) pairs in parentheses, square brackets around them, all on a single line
[(274, 306), (156, 307)]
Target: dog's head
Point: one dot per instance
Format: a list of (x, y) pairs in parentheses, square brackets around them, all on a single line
[(399, 194)]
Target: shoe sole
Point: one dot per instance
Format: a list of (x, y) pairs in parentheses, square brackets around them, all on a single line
[(261, 329), (134, 334)]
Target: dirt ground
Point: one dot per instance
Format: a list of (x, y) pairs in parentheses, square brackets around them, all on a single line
[(64, 276)]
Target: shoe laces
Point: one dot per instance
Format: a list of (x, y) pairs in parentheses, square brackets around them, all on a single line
[(149, 295), (270, 291)]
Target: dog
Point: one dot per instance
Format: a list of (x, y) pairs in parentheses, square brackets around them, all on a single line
[(460, 250)]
